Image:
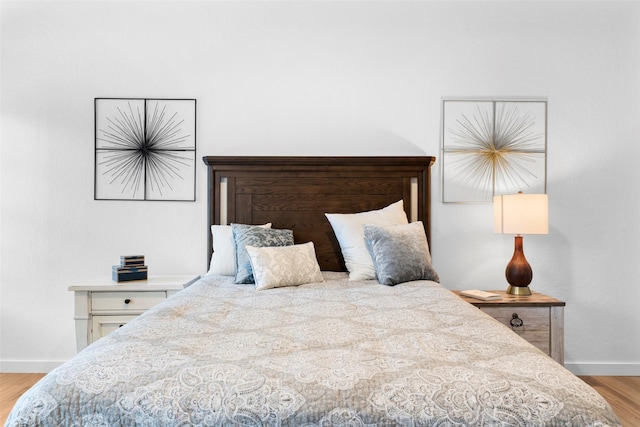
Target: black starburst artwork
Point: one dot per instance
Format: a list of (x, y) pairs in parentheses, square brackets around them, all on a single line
[(145, 149), (493, 147)]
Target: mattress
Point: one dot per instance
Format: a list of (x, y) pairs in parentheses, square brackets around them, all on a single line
[(337, 352)]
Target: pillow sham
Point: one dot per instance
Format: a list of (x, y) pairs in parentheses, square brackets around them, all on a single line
[(247, 235), (275, 267), (350, 235), (400, 253), (223, 259)]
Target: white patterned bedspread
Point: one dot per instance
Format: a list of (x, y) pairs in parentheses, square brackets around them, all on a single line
[(333, 353)]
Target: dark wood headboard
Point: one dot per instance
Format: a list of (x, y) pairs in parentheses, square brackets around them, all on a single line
[(296, 192)]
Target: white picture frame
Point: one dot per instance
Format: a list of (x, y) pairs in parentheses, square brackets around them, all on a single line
[(492, 147)]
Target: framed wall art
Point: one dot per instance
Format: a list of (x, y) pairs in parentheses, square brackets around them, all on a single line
[(145, 149), (492, 147)]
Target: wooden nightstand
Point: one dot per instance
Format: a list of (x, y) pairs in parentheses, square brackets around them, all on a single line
[(542, 319), (103, 306)]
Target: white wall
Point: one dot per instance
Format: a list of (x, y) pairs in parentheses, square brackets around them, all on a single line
[(319, 78)]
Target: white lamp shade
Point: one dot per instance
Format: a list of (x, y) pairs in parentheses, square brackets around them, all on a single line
[(521, 214)]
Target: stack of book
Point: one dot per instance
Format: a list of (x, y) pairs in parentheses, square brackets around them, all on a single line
[(131, 268)]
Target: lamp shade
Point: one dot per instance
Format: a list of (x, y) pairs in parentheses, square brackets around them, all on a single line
[(521, 214)]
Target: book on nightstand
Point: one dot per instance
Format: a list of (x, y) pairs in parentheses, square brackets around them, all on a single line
[(481, 295), (131, 267), (125, 274), (132, 260)]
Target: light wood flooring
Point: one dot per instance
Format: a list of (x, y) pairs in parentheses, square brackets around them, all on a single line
[(11, 388), (622, 393)]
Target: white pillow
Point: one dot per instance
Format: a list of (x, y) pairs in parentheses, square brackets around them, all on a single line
[(350, 234), (278, 266), (223, 259)]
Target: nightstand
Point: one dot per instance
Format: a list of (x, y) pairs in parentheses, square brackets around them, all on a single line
[(103, 306), (538, 318)]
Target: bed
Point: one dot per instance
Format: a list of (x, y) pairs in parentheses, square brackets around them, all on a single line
[(339, 349)]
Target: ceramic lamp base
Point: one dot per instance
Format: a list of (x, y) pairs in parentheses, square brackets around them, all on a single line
[(518, 272)]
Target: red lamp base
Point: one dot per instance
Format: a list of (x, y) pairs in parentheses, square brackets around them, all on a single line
[(518, 272)]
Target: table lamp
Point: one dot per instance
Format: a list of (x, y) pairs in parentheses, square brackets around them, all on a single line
[(520, 214)]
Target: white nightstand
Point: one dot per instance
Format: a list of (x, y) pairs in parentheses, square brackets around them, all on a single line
[(102, 306)]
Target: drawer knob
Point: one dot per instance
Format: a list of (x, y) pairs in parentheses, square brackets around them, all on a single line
[(121, 326), (515, 321), (127, 301)]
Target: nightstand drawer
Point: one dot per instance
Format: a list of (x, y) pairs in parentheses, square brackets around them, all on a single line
[(125, 301), (535, 323), (104, 325)]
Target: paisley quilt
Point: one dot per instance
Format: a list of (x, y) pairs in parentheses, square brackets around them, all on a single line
[(333, 353)]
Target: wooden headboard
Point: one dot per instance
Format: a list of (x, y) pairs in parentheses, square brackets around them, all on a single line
[(295, 193)]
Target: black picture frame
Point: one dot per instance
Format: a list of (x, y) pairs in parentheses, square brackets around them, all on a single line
[(145, 149)]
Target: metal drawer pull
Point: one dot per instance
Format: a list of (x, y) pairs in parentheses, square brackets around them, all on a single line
[(127, 301), (515, 321)]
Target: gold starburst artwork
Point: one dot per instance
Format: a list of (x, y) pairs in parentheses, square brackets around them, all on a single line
[(492, 147)]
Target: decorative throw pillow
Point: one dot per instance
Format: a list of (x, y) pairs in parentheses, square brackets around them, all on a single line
[(223, 259), (246, 235), (275, 267), (400, 253), (348, 231)]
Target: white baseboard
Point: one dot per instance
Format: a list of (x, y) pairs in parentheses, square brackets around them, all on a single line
[(29, 366), (593, 369), (605, 369)]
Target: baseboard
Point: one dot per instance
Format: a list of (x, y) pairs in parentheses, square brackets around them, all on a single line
[(605, 369), (29, 366)]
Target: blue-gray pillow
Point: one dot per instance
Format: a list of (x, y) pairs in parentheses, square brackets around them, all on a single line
[(246, 235), (400, 253)]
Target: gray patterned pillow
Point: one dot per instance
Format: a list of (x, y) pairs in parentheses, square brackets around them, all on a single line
[(400, 253), (223, 259), (246, 235)]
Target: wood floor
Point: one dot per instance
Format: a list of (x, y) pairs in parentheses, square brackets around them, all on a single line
[(11, 388), (622, 393)]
